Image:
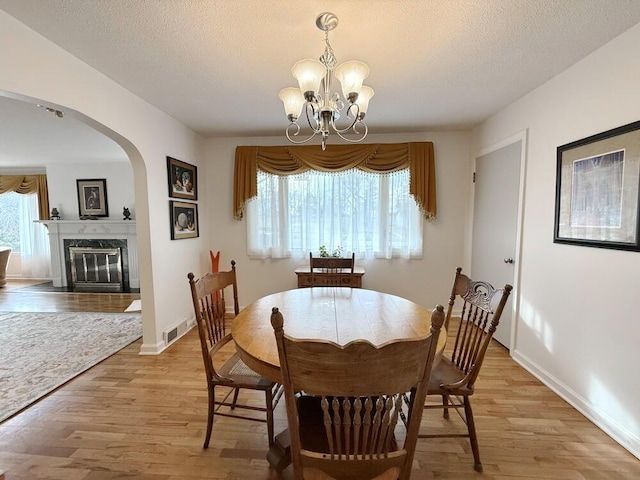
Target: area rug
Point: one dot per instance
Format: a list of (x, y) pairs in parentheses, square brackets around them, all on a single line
[(41, 351)]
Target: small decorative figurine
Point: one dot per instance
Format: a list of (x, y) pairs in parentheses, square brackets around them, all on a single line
[(54, 214), (126, 213)]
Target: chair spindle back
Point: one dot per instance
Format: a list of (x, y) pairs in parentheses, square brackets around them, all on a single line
[(208, 295), (482, 306), (339, 272)]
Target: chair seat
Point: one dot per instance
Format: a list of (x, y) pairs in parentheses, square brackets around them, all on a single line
[(240, 373), (446, 373)]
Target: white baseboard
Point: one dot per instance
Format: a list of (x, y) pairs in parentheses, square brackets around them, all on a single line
[(161, 346), (152, 348), (611, 427)]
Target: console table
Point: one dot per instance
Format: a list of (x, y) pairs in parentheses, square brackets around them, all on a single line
[(304, 276)]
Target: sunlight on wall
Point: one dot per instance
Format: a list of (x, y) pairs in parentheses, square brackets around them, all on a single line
[(602, 397), (532, 318)]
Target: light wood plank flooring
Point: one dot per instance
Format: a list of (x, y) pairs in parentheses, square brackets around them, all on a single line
[(144, 417), (29, 296)]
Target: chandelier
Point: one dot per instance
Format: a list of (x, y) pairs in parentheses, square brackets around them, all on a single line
[(322, 107)]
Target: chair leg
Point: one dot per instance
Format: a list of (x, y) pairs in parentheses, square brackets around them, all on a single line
[(477, 466), (269, 403), (235, 398), (212, 401), (445, 405)]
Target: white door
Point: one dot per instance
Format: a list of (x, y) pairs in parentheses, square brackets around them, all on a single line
[(495, 224)]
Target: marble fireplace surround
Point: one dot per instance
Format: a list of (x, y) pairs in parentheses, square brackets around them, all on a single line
[(80, 230)]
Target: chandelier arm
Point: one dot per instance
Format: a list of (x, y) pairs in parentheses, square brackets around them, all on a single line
[(353, 123), (345, 129), (366, 128), (298, 142), (363, 134), (311, 106)]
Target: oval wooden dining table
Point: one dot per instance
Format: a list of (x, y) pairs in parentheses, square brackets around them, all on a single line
[(338, 314)]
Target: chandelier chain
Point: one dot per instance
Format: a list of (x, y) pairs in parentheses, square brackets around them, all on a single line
[(328, 58)]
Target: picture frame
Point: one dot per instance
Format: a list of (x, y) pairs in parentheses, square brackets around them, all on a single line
[(184, 220), (182, 179), (597, 190), (92, 197)]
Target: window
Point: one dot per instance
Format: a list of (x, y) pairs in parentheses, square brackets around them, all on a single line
[(370, 214), (19, 231), (10, 220)]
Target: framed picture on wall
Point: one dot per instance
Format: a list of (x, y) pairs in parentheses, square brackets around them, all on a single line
[(597, 183), (92, 197), (184, 220), (183, 179)]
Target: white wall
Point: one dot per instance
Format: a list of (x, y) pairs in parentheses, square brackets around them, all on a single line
[(36, 70), (63, 193), (427, 281), (578, 329)]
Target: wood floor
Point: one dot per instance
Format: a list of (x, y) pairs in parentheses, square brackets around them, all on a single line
[(143, 417), (28, 296)]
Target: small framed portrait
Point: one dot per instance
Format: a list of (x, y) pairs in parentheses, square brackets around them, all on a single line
[(184, 220), (183, 179), (92, 197)]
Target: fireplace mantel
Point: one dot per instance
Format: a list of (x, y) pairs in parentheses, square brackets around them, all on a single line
[(60, 230)]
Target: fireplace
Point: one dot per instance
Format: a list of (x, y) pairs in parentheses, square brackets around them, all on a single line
[(97, 265), (112, 238), (96, 268)]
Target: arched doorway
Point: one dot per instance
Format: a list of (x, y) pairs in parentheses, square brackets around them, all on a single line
[(37, 137)]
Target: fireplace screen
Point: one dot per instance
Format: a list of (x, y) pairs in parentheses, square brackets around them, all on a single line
[(96, 269)]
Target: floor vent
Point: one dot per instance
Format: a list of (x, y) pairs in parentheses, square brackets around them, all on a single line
[(172, 334)]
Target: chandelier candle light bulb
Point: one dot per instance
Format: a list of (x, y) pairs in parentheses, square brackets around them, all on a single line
[(323, 107)]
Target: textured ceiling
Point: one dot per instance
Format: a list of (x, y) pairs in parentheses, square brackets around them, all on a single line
[(217, 65)]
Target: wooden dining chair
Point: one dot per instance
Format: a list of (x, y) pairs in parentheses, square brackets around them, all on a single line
[(336, 271), (208, 294), (454, 377), (343, 402)]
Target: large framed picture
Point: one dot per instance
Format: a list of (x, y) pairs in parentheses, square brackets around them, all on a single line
[(92, 197), (184, 220), (597, 183), (183, 179)]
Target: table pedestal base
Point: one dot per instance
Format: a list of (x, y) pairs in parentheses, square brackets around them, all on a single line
[(279, 455)]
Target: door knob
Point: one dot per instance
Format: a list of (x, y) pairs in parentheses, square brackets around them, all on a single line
[(508, 260)]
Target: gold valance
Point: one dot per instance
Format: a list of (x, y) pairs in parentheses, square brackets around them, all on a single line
[(375, 158), (28, 184)]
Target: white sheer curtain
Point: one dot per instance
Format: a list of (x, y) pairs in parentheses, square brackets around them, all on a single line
[(372, 215), (34, 241)]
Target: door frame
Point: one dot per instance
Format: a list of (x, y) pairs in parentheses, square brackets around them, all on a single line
[(523, 137)]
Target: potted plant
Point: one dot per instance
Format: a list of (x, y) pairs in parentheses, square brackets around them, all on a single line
[(336, 253)]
